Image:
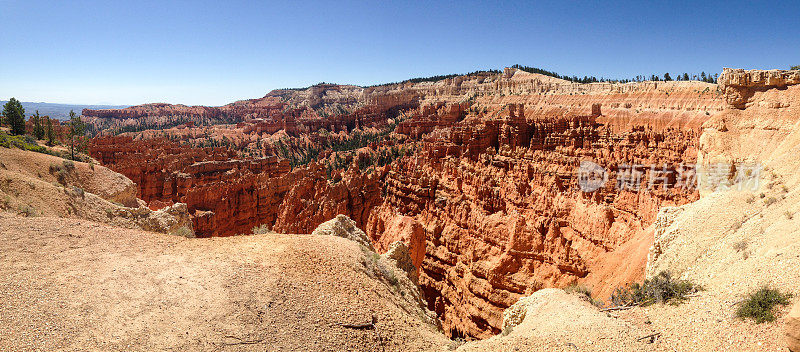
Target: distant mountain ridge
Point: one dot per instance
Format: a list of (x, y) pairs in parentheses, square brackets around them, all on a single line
[(60, 111)]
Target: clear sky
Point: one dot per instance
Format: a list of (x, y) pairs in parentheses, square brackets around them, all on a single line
[(216, 52)]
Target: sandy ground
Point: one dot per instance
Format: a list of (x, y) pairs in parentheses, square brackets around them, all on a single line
[(69, 284), (557, 321)]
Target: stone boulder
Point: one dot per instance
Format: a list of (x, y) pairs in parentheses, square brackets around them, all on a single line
[(173, 219), (793, 329), (343, 226)]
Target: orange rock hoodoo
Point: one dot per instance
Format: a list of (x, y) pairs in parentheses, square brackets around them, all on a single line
[(486, 195)]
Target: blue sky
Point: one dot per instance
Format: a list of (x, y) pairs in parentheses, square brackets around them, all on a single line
[(216, 52)]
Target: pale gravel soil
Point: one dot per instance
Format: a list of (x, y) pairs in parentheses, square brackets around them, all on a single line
[(564, 322), (69, 284)]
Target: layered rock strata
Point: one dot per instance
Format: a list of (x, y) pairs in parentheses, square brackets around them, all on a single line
[(486, 199)]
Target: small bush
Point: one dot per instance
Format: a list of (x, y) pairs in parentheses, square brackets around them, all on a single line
[(183, 231), (662, 288), (740, 245), (77, 191), (61, 172), (769, 201), (388, 273), (760, 304), (579, 290), (582, 292), (788, 215), (261, 229), (28, 210), (54, 168), (737, 225)]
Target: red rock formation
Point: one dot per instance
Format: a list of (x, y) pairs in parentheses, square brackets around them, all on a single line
[(485, 194), (227, 196), (503, 215)]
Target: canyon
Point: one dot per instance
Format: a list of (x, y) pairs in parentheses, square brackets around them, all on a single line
[(479, 175)]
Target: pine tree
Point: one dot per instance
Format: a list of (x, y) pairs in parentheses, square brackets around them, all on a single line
[(76, 131), (51, 136), (667, 78), (15, 116), (38, 129)]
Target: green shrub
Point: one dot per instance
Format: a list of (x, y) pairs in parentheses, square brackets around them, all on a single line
[(22, 142), (77, 191), (582, 292), (261, 229), (388, 273), (579, 290), (662, 288), (760, 304), (28, 210), (183, 231)]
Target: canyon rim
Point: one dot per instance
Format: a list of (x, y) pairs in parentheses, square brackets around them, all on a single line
[(511, 208)]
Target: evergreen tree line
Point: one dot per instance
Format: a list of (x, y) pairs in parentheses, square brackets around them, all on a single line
[(14, 116), (434, 78), (703, 77)]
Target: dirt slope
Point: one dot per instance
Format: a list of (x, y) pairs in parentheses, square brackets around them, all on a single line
[(69, 284), (36, 184)]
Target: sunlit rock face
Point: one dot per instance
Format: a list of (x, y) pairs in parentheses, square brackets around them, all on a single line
[(484, 190)]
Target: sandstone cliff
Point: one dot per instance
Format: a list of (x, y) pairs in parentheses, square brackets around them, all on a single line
[(484, 193)]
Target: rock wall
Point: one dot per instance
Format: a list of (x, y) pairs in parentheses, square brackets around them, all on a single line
[(500, 205), (229, 196), (740, 85), (742, 233), (486, 199)]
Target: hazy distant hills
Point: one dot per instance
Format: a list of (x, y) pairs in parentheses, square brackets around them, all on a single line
[(60, 111)]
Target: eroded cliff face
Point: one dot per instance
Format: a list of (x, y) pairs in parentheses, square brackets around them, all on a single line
[(499, 201), (230, 196), (476, 174)]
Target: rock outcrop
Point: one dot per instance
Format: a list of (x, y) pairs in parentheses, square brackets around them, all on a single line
[(342, 226), (552, 320), (399, 254), (110, 288), (37, 184), (793, 329), (739, 85)]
